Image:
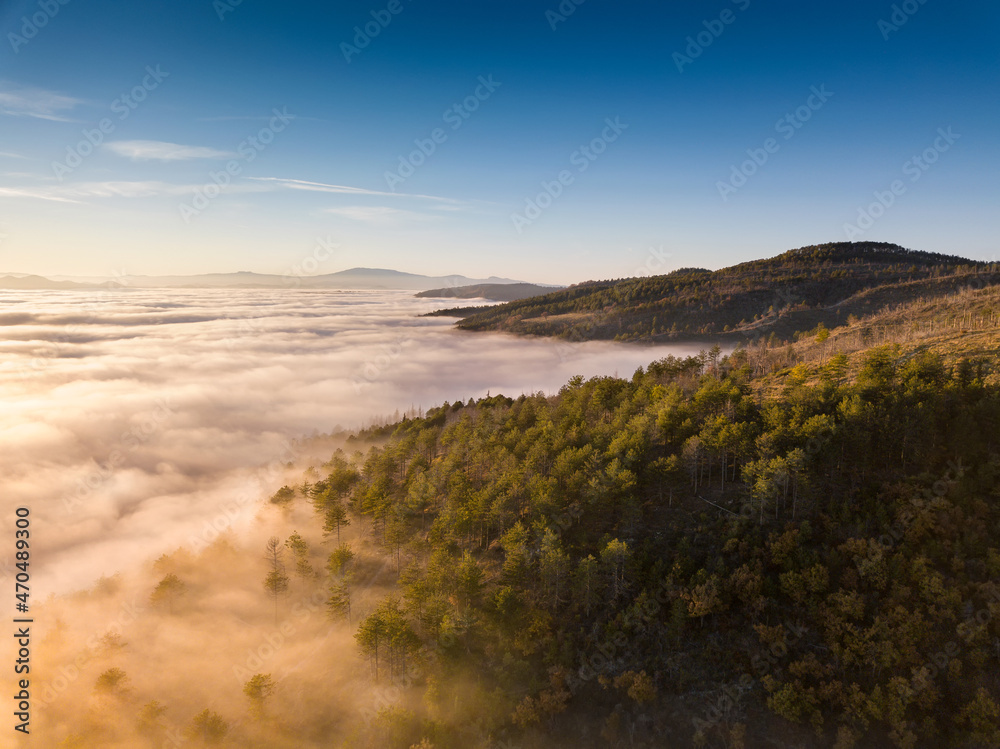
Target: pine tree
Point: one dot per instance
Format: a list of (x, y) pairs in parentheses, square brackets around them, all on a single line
[(276, 581), (167, 591)]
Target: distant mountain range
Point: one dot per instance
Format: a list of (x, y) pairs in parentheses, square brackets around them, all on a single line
[(354, 278), (21, 281)]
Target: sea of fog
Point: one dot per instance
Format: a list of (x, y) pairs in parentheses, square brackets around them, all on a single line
[(131, 420)]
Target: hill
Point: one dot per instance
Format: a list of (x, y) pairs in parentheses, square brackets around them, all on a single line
[(787, 546), (794, 291), (494, 292)]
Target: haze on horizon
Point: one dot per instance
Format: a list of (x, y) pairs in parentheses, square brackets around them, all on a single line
[(418, 148)]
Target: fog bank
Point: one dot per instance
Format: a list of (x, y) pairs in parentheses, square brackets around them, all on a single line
[(134, 421)]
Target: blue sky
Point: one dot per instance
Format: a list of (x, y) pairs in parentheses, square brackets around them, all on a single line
[(525, 177)]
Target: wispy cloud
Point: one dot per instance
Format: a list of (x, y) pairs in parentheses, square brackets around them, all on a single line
[(9, 155), (79, 193), (156, 150), (378, 214), (298, 184), (109, 189), (39, 193), (26, 101)]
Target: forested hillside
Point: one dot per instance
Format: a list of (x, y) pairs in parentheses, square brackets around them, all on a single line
[(716, 552), (794, 291), (795, 544), (498, 292)]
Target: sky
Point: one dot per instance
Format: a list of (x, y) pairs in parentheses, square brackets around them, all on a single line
[(544, 141)]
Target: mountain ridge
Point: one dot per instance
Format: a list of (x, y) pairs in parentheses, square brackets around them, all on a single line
[(351, 278), (492, 291), (795, 290)]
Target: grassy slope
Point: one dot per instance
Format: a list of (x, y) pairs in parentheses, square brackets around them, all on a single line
[(964, 324)]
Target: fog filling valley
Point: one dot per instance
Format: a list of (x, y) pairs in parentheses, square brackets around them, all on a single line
[(143, 422)]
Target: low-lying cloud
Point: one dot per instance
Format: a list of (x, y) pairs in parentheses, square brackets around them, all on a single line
[(132, 420)]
